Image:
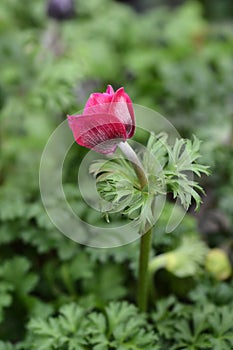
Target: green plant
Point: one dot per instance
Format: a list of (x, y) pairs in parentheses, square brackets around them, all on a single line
[(119, 326), (174, 61), (133, 193)]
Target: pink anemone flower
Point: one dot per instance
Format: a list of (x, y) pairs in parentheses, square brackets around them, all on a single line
[(107, 120)]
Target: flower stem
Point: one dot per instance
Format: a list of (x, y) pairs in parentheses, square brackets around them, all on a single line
[(145, 244), (133, 158), (143, 273)]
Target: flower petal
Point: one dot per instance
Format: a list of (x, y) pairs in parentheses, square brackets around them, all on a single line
[(110, 90), (121, 107), (98, 103), (100, 132)]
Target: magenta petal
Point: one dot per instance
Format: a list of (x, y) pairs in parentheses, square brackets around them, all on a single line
[(110, 90), (99, 132), (107, 120), (98, 103), (121, 107)]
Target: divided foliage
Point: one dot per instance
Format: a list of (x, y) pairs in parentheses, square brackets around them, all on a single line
[(120, 326), (54, 293)]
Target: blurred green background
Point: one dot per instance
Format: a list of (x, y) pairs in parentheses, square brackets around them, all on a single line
[(175, 57)]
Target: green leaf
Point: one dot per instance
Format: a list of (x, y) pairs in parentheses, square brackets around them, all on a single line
[(5, 297), (68, 329), (7, 346), (106, 278), (16, 272), (178, 167), (119, 326)]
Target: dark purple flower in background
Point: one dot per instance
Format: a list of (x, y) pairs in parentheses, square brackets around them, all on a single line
[(61, 9)]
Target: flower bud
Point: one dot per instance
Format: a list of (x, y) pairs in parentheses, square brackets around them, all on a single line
[(218, 264), (107, 120)]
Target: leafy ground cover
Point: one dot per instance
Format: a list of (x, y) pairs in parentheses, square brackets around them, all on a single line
[(56, 294)]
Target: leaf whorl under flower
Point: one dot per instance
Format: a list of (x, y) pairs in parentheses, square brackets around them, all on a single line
[(168, 168)]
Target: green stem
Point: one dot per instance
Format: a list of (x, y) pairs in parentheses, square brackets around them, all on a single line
[(145, 244), (67, 280), (133, 158), (143, 273)]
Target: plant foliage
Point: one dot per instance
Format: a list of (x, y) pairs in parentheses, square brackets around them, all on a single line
[(120, 326), (174, 61), (168, 169)]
